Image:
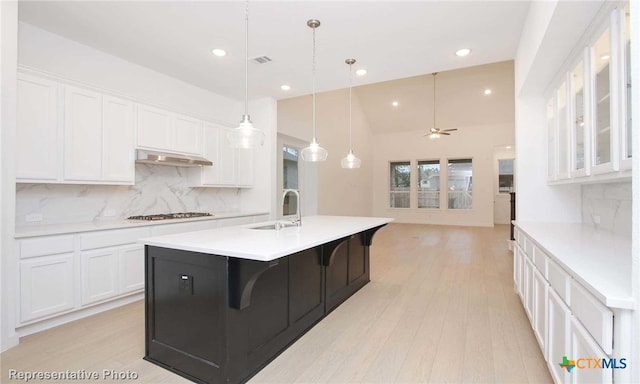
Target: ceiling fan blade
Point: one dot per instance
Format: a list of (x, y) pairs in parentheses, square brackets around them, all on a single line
[(444, 133), (449, 130)]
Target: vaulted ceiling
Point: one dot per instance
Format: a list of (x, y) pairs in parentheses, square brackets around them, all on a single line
[(391, 39)]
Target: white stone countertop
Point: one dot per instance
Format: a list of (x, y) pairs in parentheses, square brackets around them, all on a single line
[(58, 229), (266, 245), (599, 260)]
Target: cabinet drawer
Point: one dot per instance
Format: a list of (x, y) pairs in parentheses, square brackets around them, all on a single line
[(595, 317), (560, 281), (47, 245), (540, 259), (102, 239)]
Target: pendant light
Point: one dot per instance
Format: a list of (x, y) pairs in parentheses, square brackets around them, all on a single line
[(350, 161), (246, 135), (314, 152)]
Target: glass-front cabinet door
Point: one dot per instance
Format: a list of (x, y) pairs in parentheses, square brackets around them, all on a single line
[(625, 142), (578, 121), (562, 132), (601, 82), (551, 139)]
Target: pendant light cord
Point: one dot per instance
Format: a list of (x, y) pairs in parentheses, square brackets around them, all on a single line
[(350, 86), (313, 83), (246, 59)]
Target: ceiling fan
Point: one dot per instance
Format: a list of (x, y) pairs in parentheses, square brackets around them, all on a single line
[(434, 133)]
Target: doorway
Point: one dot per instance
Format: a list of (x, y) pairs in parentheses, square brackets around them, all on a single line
[(293, 173), (503, 186)]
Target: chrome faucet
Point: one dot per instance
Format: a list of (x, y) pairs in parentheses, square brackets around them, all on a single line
[(298, 220)]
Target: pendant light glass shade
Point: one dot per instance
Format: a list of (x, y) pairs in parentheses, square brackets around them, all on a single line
[(246, 135), (314, 152), (350, 161)]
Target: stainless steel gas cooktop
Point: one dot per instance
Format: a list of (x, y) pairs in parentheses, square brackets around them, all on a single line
[(167, 216)]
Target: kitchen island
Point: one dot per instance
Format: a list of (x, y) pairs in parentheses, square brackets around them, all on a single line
[(222, 303)]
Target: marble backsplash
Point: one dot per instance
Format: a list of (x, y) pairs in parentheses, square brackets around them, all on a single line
[(611, 203), (157, 189)]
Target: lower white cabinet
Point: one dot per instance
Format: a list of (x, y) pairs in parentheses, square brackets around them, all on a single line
[(99, 270), (517, 270), (528, 288), (558, 345), (583, 347), (131, 268), (540, 301), (46, 286)]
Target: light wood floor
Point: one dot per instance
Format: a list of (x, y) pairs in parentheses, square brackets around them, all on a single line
[(440, 308)]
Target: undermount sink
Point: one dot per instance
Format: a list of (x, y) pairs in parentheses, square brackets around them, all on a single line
[(275, 226)]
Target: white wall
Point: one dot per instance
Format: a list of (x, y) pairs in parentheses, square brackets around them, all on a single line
[(340, 191), (8, 262), (475, 142), (52, 53)]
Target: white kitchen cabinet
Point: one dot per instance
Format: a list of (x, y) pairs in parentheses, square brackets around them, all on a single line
[(231, 167), (540, 303), (558, 337), (244, 171), (131, 268), (117, 140), (583, 347), (187, 134), (153, 127), (99, 274), (82, 134), (162, 130), (71, 134), (588, 113), (528, 288), (46, 286), (38, 130), (518, 267)]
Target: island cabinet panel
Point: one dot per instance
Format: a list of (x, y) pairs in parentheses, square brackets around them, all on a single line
[(220, 319), (347, 269), (185, 300)]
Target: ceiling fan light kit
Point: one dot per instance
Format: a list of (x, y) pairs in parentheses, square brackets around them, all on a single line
[(435, 133), (314, 152)]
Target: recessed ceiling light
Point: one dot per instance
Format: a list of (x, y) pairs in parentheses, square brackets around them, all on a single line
[(361, 72), (219, 52), (487, 91), (508, 147), (395, 103), (604, 57), (463, 52), (285, 87)]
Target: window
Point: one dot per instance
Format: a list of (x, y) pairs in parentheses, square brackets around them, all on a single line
[(429, 184), (399, 184), (460, 183), (505, 176), (289, 178)]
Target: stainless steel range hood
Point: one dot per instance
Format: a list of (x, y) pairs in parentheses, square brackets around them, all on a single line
[(174, 159)]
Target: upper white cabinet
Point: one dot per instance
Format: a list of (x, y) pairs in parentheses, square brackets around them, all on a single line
[(37, 133), (82, 134), (117, 139), (162, 130), (69, 134), (231, 167), (588, 117)]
